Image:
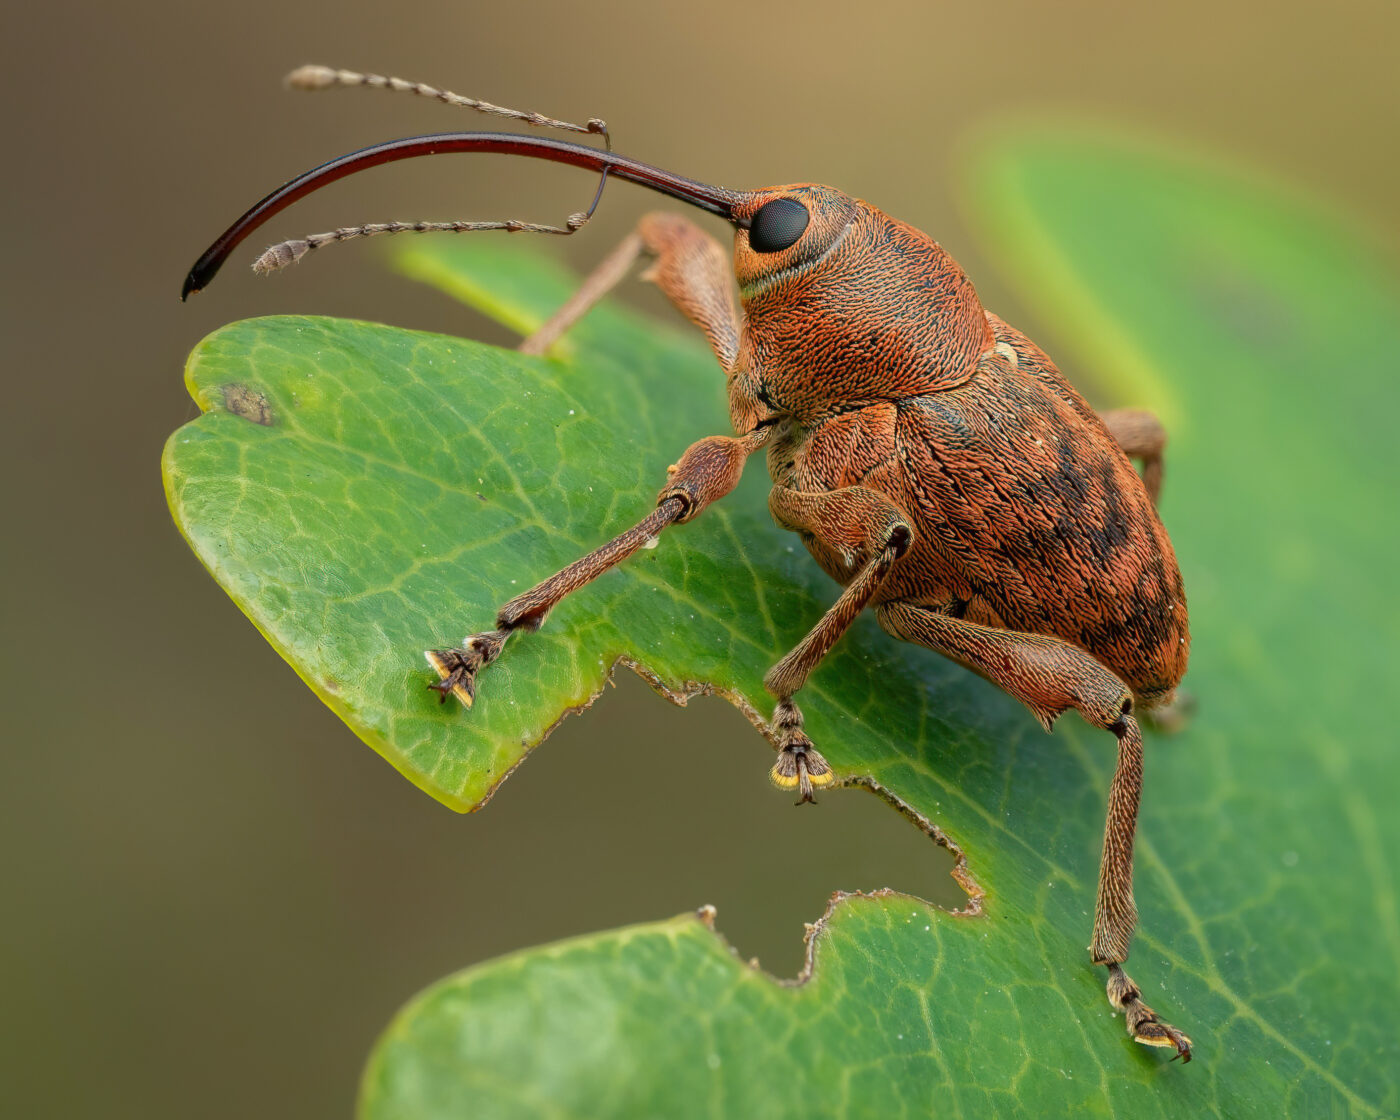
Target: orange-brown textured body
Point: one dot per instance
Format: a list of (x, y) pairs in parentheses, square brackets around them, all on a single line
[(884, 371)]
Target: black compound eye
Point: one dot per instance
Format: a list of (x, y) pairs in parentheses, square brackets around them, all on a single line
[(777, 225)]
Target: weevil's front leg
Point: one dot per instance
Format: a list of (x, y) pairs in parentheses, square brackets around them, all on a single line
[(688, 265), (863, 533), (707, 471), (1141, 436), (1050, 676)]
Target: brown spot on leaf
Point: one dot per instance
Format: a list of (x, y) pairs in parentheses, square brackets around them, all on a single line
[(249, 404)]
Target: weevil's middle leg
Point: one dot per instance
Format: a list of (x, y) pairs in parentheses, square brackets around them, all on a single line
[(1051, 676), (868, 533), (708, 470), (687, 264)]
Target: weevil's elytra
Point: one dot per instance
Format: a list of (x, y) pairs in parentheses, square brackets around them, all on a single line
[(932, 459)]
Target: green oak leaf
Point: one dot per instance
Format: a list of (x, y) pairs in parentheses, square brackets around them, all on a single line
[(363, 493)]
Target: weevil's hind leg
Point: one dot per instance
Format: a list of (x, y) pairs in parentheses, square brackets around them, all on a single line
[(1141, 436), (864, 533), (688, 265), (1115, 913), (708, 470), (1050, 676)]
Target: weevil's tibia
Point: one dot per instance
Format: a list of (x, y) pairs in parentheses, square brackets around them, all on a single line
[(324, 77), (871, 533), (1115, 913), (458, 668), (707, 471)]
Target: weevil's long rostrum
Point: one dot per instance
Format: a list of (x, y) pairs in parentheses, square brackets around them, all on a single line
[(932, 459)]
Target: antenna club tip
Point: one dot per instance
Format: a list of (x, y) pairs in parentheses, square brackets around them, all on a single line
[(311, 77), (281, 255), (189, 287)]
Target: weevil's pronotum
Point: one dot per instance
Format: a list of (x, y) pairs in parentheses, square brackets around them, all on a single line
[(931, 457)]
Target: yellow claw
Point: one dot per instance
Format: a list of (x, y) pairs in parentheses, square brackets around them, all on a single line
[(1154, 1040), (819, 774), (459, 690), (1164, 1039)]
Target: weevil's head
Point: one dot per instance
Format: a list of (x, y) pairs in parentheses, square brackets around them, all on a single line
[(788, 232), (816, 268), (841, 301)]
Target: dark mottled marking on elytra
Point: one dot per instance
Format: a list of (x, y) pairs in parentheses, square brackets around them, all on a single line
[(241, 400), (1070, 478), (1116, 520), (955, 425)]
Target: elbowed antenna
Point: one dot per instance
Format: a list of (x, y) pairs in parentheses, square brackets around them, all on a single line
[(717, 200), (312, 78)]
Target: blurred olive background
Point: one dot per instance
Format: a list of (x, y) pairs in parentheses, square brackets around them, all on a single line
[(215, 896)]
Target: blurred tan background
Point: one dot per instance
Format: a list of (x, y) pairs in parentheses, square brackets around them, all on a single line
[(214, 895)]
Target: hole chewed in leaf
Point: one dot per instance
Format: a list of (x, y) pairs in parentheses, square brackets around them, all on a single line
[(670, 810), (896, 861)]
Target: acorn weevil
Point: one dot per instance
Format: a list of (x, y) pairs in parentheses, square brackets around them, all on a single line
[(932, 458)]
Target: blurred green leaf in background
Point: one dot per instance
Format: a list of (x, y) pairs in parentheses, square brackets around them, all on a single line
[(364, 493)]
